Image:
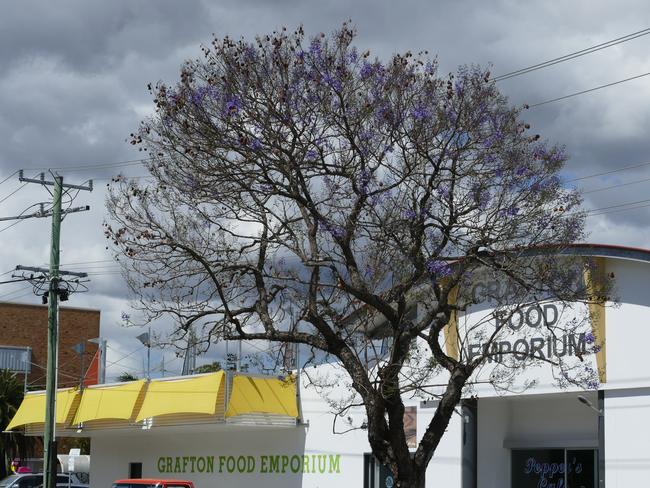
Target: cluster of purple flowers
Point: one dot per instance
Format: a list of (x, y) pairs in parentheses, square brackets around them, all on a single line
[(363, 181), (409, 214), (438, 268), (590, 338), (593, 384), (202, 92), (420, 113), (232, 106), (335, 230)]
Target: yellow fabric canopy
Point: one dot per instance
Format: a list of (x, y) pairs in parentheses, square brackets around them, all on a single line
[(109, 402), (262, 395), (32, 409), (196, 394)]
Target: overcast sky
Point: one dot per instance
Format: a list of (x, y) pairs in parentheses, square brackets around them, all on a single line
[(73, 78)]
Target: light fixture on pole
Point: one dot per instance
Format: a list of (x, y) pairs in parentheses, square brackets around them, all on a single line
[(145, 339), (585, 401)]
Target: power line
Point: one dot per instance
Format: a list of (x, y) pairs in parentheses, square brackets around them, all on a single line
[(615, 186), (625, 168), (618, 205), (619, 210), (93, 166), (573, 55), (9, 177), (588, 91), (14, 192)]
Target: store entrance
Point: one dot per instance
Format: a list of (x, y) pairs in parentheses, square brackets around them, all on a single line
[(554, 468), (375, 474)]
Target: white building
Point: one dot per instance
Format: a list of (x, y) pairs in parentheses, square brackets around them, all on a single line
[(245, 431)]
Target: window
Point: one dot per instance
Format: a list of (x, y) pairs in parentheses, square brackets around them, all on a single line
[(554, 468), (135, 471)]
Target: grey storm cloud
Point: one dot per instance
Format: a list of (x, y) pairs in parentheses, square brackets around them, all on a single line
[(73, 86)]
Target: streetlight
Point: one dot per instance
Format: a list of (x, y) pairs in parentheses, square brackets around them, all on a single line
[(145, 338), (586, 402)]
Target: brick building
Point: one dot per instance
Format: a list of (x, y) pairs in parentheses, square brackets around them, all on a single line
[(23, 325)]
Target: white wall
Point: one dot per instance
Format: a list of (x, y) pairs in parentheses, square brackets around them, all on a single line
[(493, 463), (628, 330), (627, 438)]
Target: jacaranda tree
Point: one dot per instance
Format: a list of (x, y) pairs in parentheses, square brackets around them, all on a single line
[(304, 192)]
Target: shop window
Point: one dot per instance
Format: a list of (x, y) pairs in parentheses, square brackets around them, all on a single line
[(135, 471), (554, 468)]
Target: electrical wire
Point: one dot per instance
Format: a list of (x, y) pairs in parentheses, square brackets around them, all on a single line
[(573, 55), (14, 192), (9, 177), (111, 363), (625, 168), (588, 91), (616, 186), (618, 205)]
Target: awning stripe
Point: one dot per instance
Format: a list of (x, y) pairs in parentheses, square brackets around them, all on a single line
[(109, 402), (189, 395), (32, 409), (262, 395)]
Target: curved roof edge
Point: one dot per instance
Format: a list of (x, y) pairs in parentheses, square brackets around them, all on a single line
[(607, 250)]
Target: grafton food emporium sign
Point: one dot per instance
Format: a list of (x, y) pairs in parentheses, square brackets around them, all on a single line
[(534, 329), (262, 464)]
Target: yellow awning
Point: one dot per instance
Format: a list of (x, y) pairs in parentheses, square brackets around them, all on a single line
[(109, 402), (197, 394), (262, 395), (32, 409)]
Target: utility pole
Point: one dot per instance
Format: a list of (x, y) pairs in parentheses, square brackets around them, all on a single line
[(53, 292)]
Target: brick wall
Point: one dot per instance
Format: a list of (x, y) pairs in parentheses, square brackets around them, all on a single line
[(26, 326)]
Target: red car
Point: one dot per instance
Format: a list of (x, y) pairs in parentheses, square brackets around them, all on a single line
[(152, 483)]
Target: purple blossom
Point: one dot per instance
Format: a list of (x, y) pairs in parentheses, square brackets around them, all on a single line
[(512, 211), (593, 384), (438, 268), (335, 230), (493, 139), (380, 197), (202, 92), (311, 155), (332, 81), (420, 113), (443, 191), (409, 214), (125, 317), (596, 349), (366, 70), (590, 338), (459, 87), (255, 144), (521, 171), (363, 181), (352, 56), (233, 106)]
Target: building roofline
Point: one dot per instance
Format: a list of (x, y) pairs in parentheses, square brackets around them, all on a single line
[(606, 250), (38, 305)]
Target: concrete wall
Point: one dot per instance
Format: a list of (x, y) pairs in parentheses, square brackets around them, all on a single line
[(627, 438)]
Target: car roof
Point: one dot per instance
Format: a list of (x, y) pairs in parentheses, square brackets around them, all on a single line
[(144, 481)]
